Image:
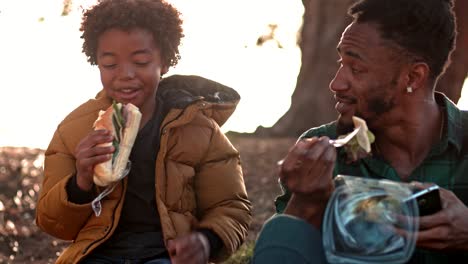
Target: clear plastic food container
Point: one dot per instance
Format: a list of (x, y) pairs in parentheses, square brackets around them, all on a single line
[(366, 221)]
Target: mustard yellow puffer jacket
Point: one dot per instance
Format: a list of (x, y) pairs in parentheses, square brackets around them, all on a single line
[(199, 182)]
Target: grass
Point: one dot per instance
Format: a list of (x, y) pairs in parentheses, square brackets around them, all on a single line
[(243, 255)]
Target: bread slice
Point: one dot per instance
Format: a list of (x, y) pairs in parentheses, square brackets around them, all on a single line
[(130, 131)]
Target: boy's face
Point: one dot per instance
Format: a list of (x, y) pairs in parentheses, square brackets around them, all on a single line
[(131, 67)]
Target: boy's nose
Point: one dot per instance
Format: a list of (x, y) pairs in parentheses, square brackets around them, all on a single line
[(127, 72)]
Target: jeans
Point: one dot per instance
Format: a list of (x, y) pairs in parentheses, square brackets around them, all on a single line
[(101, 259)]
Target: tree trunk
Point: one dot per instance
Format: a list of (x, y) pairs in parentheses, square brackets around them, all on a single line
[(451, 83), (312, 102)]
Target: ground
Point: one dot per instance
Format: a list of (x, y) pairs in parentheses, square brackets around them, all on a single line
[(21, 175)]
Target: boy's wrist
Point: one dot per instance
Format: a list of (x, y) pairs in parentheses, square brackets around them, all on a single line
[(76, 194), (84, 185)]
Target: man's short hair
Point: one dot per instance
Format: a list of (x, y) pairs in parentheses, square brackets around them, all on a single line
[(425, 29)]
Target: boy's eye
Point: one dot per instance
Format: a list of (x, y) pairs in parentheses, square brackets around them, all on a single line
[(109, 66), (141, 63)]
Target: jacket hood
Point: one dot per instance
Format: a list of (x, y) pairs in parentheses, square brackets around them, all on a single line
[(180, 91)]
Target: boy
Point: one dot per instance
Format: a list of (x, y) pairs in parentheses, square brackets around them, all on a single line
[(184, 198)]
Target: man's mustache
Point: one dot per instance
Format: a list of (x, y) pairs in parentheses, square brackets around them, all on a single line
[(345, 98)]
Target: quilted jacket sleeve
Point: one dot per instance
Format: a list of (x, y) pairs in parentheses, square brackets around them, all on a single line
[(55, 215), (221, 194)]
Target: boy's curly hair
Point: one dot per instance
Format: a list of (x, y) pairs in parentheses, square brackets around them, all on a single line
[(156, 16), (425, 29)]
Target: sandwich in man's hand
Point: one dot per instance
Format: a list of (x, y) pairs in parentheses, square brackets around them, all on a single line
[(123, 121)]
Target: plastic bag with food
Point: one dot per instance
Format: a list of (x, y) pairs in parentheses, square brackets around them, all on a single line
[(364, 220)]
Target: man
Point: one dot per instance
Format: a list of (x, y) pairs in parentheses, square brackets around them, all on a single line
[(391, 57)]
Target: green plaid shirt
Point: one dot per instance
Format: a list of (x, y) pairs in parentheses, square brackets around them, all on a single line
[(446, 165)]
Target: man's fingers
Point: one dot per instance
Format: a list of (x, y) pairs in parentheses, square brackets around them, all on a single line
[(318, 149), (297, 154), (433, 238), (421, 185), (322, 156), (330, 155), (431, 221)]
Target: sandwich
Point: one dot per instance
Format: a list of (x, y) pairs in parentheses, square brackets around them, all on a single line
[(123, 121)]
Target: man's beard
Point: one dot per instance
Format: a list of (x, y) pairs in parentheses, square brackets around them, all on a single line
[(344, 125), (379, 102), (377, 106)]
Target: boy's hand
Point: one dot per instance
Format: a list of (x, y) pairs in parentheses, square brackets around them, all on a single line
[(88, 154), (192, 248)]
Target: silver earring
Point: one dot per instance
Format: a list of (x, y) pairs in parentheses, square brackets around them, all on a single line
[(409, 89)]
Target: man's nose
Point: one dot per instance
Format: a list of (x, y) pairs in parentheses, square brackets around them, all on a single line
[(339, 82)]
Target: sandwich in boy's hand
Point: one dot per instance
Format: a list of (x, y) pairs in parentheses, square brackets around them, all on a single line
[(359, 145), (123, 121)]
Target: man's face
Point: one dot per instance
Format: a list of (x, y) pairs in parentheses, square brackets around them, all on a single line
[(368, 82), (130, 66)]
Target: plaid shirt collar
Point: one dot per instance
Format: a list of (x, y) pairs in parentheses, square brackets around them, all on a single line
[(453, 127)]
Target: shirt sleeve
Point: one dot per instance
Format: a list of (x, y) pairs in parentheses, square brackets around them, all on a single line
[(76, 195)]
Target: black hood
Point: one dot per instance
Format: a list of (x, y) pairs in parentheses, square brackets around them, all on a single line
[(178, 91)]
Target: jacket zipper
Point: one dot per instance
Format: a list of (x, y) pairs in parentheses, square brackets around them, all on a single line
[(108, 229)]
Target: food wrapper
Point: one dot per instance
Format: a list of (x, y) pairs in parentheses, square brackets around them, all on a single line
[(96, 203), (362, 220)]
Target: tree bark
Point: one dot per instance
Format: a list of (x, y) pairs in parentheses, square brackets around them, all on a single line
[(312, 102)]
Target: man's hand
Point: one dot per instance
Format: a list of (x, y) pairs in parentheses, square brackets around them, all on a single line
[(88, 154), (307, 172), (447, 229), (192, 248)]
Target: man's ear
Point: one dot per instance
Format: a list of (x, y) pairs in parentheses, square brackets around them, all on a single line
[(418, 75)]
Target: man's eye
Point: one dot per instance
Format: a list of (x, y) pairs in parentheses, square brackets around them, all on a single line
[(355, 71)]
